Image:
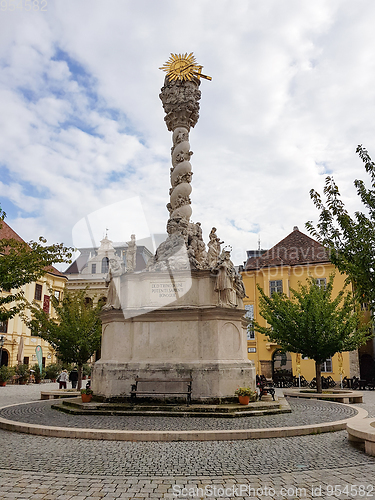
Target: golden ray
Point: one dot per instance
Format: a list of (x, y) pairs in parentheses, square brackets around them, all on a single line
[(183, 67)]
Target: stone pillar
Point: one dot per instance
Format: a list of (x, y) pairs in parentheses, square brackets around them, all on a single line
[(180, 103)]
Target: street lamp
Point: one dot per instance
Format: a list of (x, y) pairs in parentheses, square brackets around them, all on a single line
[(2, 340)]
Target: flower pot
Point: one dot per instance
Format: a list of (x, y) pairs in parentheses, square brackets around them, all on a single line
[(86, 398), (3, 384), (244, 400)]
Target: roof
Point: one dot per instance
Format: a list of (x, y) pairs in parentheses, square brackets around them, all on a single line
[(296, 249), (83, 259), (7, 233)]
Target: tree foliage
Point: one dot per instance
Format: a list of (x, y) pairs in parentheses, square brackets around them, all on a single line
[(75, 333), (350, 239), (22, 263), (313, 323)]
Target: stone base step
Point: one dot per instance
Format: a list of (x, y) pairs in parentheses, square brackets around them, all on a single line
[(76, 407)]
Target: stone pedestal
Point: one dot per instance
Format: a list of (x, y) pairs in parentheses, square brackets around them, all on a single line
[(172, 326)]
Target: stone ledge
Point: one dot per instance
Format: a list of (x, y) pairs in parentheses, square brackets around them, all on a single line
[(337, 396), (225, 410), (195, 435), (363, 431), (60, 393)]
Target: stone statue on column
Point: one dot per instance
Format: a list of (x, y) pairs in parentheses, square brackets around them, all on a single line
[(131, 255)]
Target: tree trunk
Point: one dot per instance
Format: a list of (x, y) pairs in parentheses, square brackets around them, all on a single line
[(79, 384), (318, 375)]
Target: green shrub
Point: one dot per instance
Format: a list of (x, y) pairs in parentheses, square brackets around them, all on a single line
[(52, 371), (87, 391), (245, 391), (86, 370), (23, 372), (6, 373)]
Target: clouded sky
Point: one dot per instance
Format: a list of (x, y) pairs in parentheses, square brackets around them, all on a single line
[(82, 126)]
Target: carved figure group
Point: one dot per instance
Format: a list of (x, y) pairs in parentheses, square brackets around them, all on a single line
[(180, 103), (182, 200), (229, 284), (182, 137), (183, 156)]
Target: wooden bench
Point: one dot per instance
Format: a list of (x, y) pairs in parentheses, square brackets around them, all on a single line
[(135, 391)]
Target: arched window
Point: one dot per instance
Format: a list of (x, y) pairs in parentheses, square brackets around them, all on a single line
[(282, 373), (88, 301), (4, 358), (105, 265), (102, 300)]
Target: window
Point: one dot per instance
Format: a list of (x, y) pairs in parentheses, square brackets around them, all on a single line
[(321, 283), (93, 268), (88, 301), (3, 326), (327, 365), (251, 349), (46, 301), (26, 361), (276, 286), (105, 265), (38, 292), (56, 293), (250, 317), (102, 300)]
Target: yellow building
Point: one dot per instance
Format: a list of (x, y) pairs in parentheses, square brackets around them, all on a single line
[(279, 269), (20, 345)]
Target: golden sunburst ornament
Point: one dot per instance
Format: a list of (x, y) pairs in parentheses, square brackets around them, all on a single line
[(183, 67)]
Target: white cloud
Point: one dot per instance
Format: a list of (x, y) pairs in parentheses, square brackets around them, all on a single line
[(81, 123)]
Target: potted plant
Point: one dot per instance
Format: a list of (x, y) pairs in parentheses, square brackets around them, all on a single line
[(6, 373), (86, 395), (23, 373), (245, 394)]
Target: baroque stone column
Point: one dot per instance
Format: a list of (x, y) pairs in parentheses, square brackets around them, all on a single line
[(180, 102)]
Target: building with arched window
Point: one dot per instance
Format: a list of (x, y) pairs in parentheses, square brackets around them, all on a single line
[(91, 267), (279, 269), (20, 345)]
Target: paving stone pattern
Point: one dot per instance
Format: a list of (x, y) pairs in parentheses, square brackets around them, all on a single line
[(304, 412), (34, 467)]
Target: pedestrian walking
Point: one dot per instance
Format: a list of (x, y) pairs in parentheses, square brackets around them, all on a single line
[(62, 379), (73, 377)]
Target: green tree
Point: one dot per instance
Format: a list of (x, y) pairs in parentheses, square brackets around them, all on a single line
[(313, 323), (22, 263), (350, 239), (75, 333)]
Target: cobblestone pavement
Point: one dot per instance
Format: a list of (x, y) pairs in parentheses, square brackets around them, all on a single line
[(51, 468), (304, 412)]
